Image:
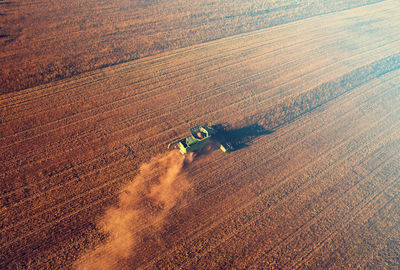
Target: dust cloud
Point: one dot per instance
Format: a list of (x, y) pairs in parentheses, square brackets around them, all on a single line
[(143, 206)]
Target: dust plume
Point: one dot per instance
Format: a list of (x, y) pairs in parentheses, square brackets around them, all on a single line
[(142, 209)]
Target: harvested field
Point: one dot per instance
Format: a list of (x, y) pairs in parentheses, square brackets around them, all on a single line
[(86, 177), (43, 41)]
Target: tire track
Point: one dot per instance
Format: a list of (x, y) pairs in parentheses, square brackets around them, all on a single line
[(244, 227), (65, 183), (167, 130), (79, 196), (191, 67), (62, 184), (211, 228), (338, 227), (316, 219), (85, 207)]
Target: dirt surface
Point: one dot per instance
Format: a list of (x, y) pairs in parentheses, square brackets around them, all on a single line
[(87, 180), (43, 41)]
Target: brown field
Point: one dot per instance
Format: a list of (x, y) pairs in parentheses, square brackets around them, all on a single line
[(43, 41), (319, 188)]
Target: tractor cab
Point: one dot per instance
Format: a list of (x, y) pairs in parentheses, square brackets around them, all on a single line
[(200, 133)]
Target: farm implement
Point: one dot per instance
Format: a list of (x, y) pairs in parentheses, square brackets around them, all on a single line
[(202, 139)]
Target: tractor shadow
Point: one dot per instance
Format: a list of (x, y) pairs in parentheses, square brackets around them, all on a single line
[(239, 137)]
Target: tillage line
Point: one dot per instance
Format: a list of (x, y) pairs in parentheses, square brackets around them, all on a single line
[(109, 165), (287, 177), (258, 197), (73, 197)]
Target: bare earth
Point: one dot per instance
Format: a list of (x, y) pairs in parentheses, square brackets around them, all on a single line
[(320, 190), (43, 41)]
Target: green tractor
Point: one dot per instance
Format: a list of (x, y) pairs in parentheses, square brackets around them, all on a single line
[(202, 138)]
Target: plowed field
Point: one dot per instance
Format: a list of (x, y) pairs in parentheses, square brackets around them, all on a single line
[(320, 188)]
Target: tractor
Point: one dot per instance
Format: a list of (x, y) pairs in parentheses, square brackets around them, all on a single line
[(202, 138)]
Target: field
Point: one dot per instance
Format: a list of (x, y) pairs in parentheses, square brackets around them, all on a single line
[(312, 90), (51, 40)]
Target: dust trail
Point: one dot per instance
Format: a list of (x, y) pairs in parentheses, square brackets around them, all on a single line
[(143, 206)]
